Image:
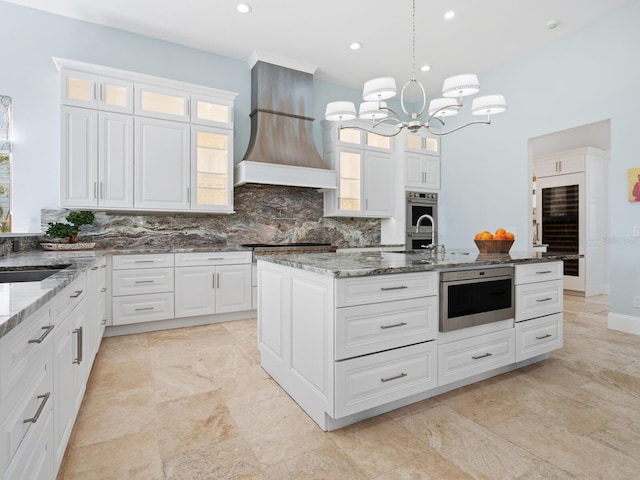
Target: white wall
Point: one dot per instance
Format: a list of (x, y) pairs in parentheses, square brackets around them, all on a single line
[(591, 75)]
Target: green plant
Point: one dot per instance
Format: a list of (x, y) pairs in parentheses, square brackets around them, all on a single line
[(70, 230)]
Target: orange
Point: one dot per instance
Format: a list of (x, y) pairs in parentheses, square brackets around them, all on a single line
[(500, 236), (478, 236), (509, 236), (486, 236), (500, 231)]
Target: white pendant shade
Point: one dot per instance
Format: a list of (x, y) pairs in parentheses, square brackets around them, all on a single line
[(379, 89), (461, 85), (340, 111), (489, 104), (371, 110), (444, 106)]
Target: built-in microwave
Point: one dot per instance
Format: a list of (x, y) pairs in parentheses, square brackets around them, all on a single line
[(418, 204)]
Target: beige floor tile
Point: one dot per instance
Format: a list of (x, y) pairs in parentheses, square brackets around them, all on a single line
[(109, 415), (576, 454), (472, 448), (118, 377), (205, 337), (124, 349), (621, 434), (381, 446), (130, 457), (197, 421), (428, 466), (413, 408), (188, 378), (480, 406), (247, 385), (277, 429), (327, 462), (228, 358), (228, 459), (242, 329)]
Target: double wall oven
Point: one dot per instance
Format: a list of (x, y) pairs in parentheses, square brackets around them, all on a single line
[(418, 204)]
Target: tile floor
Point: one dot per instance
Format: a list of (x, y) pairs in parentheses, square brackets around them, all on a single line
[(193, 403)]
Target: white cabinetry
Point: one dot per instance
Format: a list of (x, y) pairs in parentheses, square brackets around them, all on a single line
[(210, 283), (343, 346), (421, 161), (162, 165), (364, 165), (136, 142), (539, 304)]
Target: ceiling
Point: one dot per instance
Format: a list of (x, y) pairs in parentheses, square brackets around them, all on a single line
[(318, 33)]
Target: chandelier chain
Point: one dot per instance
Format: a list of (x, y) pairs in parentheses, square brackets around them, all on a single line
[(413, 44)]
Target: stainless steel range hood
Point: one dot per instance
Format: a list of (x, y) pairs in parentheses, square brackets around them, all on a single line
[(281, 149)]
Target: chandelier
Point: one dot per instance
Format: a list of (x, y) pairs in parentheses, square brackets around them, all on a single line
[(375, 108)]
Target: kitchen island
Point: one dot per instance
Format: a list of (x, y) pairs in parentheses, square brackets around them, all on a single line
[(352, 335)]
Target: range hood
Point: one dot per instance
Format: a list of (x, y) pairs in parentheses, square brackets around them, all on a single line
[(281, 149)]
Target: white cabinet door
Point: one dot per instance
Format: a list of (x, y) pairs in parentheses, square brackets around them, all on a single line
[(78, 89), (422, 142), (233, 292), (79, 152), (162, 167), (349, 181), (115, 160), (378, 184), (211, 111), (158, 102), (80, 361), (211, 169), (115, 95), (63, 381), (195, 291), (421, 171)]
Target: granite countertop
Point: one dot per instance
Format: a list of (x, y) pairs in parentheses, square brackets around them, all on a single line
[(160, 249), (380, 263), (20, 299)]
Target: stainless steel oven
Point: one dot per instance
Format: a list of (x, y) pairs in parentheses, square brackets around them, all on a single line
[(418, 204), (475, 297)]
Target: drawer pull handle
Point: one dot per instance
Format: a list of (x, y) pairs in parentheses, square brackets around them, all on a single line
[(35, 418), (401, 324), (47, 331), (102, 290), (144, 261), (544, 299), (544, 272), (94, 268), (478, 357), (144, 281), (103, 322), (78, 360), (216, 258), (77, 294), (143, 308), (543, 337), (402, 287), (402, 375)]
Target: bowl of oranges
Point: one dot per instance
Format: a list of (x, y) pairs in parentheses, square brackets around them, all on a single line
[(498, 242)]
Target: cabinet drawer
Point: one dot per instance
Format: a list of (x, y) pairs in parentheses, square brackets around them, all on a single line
[(372, 328), (142, 261), (71, 296), (373, 380), (34, 458), (384, 288), (142, 308), (21, 351), (211, 258), (538, 299), (538, 272), (538, 336), (24, 415), (465, 358), (151, 280)]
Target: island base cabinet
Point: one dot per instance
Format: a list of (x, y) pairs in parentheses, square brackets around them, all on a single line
[(538, 336), (472, 356), (373, 380), (35, 459)]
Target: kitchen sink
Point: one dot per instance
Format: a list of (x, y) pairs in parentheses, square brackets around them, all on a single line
[(426, 253), (28, 274)]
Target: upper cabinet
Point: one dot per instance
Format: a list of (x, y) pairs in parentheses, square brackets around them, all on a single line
[(364, 165), (562, 163), (141, 143), (421, 161)]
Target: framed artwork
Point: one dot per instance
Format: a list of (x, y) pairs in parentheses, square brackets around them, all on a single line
[(634, 184)]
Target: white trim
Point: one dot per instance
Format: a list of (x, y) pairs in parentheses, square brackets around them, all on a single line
[(280, 61), (624, 323), (276, 174), (142, 78)]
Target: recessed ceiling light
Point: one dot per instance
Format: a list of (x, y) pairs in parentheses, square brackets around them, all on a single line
[(425, 68), (243, 8), (355, 46), (551, 24), (449, 15)]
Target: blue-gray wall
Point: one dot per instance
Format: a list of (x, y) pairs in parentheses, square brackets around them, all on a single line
[(588, 76)]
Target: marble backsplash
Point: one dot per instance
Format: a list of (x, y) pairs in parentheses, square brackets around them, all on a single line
[(264, 214)]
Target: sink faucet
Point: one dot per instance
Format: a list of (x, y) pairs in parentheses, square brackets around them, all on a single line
[(426, 216)]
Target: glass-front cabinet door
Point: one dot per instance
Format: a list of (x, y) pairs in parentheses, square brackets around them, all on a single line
[(160, 102), (79, 89), (350, 181), (211, 167), (115, 95), (211, 111), (422, 142)]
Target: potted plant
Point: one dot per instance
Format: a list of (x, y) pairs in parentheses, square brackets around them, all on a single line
[(70, 230)]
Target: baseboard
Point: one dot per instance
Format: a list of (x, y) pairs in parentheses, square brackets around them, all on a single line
[(624, 323)]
